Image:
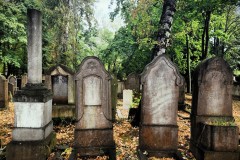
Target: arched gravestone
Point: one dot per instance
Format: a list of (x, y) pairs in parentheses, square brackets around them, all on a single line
[(94, 128), (211, 103), (133, 82), (13, 81), (3, 92), (158, 127)]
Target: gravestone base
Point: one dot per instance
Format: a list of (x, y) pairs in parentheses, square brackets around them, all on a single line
[(142, 155), (159, 140), (63, 111), (94, 142), (201, 153), (29, 150)]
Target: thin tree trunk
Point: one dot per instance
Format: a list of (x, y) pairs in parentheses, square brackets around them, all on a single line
[(165, 24), (205, 35), (188, 66)]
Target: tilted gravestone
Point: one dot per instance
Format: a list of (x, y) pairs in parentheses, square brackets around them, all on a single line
[(133, 82), (158, 131), (212, 133), (3, 92), (94, 129)]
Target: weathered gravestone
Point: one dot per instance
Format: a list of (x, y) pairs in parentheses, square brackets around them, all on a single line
[(59, 79), (13, 81), (181, 99), (3, 92), (33, 126), (24, 80), (158, 131), (94, 129), (133, 82), (212, 133), (120, 89)]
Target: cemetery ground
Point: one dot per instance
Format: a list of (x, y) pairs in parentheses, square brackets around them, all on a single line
[(125, 136)]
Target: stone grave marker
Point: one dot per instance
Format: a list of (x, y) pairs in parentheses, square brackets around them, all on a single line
[(32, 136), (181, 99), (93, 134), (212, 131), (133, 82), (120, 89), (3, 92), (158, 130), (24, 80), (60, 80), (13, 81)]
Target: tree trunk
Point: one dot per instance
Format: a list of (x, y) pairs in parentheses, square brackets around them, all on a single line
[(165, 24), (188, 67), (205, 35)]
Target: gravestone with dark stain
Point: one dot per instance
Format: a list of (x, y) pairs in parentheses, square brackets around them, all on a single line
[(212, 112), (133, 82), (59, 79), (94, 128), (3, 92), (158, 127)]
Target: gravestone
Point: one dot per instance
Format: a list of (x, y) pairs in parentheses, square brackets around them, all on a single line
[(181, 99), (211, 109), (127, 98), (120, 89), (24, 80), (133, 82), (59, 79), (13, 81), (3, 92), (114, 87), (158, 130), (32, 136), (94, 129)]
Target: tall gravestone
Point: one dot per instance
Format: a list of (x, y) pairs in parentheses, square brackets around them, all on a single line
[(211, 134), (33, 126), (133, 82), (158, 131), (3, 92), (94, 129)]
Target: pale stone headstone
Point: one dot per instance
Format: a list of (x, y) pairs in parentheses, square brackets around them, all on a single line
[(3, 92), (212, 102), (120, 89), (127, 98), (33, 126), (94, 129), (158, 131), (133, 82)]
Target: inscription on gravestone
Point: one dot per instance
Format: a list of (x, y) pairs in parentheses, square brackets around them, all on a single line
[(92, 89)]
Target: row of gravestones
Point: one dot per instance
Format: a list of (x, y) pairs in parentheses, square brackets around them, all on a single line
[(158, 132)]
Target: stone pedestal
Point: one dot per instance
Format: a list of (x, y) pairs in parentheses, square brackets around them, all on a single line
[(212, 133), (33, 126)]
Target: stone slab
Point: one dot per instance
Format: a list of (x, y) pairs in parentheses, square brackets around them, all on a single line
[(32, 134), (158, 138), (63, 111), (32, 114), (33, 150), (127, 98)]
